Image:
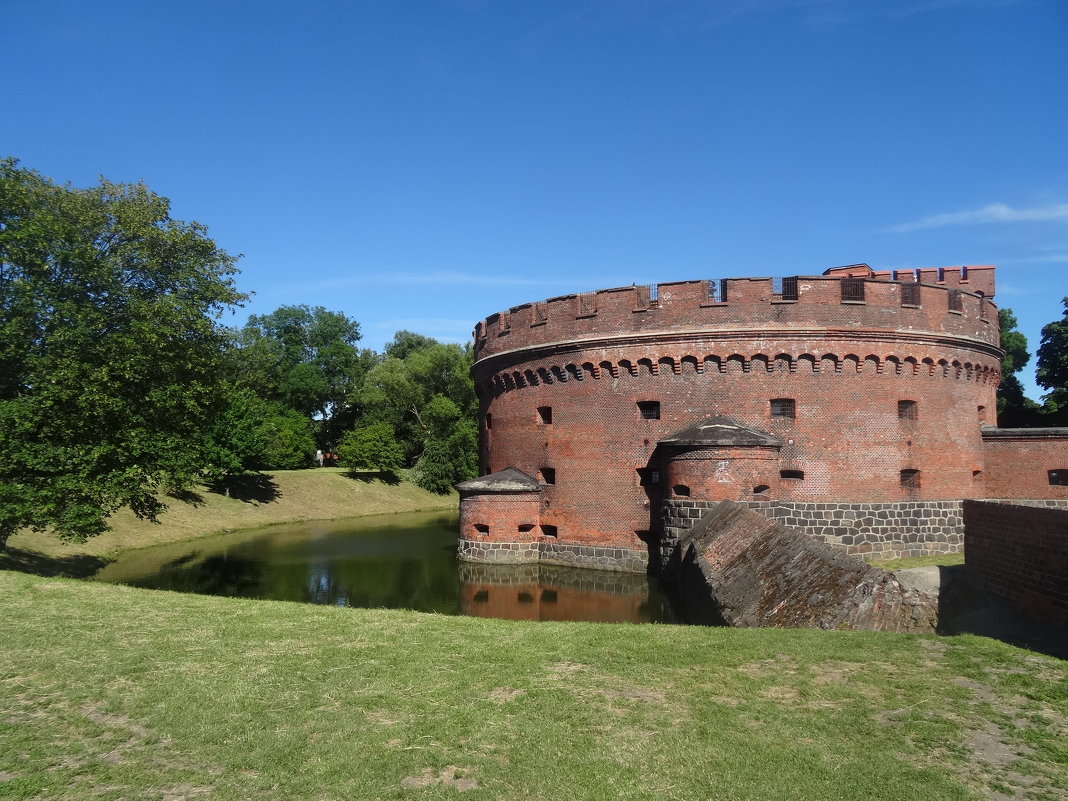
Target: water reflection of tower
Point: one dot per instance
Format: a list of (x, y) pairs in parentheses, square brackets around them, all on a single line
[(547, 592), (321, 586)]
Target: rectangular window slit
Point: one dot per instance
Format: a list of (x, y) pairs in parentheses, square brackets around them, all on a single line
[(784, 407), (852, 290), (649, 410), (908, 410), (910, 294)]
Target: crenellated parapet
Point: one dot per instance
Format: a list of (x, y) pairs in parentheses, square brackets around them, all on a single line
[(942, 302)]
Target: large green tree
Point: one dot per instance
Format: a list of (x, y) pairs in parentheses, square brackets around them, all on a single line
[(1051, 371), (110, 354), (305, 358), (1014, 408), (428, 398)]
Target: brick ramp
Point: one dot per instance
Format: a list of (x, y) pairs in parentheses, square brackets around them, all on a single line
[(743, 569)]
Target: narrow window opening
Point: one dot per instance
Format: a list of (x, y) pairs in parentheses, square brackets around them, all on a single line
[(793, 475), (489, 421), (785, 288), (525, 527), (910, 479), (982, 414), (976, 473), (525, 598), (852, 290), (548, 596), (910, 294), (648, 476), (1058, 478), (956, 300), (681, 491), (760, 488), (908, 410), (480, 597), (784, 408), (649, 410), (482, 529), (547, 475), (654, 293), (545, 415), (548, 531)]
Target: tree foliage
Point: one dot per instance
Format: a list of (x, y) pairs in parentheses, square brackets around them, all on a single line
[(1052, 366), (305, 358), (110, 355), (372, 447), (1014, 408), (428, 398)]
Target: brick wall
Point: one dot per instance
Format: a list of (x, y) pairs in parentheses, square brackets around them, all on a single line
[(1019, 463), (591, 359), (1021, 554), (847, 439)]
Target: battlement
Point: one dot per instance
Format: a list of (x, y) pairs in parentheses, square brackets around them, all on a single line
[(944, 301)]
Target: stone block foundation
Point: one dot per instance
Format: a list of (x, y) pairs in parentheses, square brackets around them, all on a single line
[(547, 551)]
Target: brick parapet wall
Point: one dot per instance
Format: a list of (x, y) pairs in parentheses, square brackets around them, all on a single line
[(750, 303), (1018, 463), (1020, 552), (883, 530)]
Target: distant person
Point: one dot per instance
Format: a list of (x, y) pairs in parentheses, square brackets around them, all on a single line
[(319, 457)]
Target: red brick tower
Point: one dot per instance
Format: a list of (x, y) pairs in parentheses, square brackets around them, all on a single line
[(856, 386)]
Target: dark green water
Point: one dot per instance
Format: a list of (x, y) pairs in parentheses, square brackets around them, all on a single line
[(391, 561)]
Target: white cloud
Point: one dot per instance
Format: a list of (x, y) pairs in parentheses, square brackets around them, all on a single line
[(992, 213)]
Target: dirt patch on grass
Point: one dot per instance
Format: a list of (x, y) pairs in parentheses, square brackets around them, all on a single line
[(566, 668), (503, 695), (449, 776), (781, 665)]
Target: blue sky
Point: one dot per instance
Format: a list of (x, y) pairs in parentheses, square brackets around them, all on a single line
[(422, 164)]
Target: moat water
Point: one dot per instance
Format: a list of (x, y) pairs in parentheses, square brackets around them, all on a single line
[(391, 561)]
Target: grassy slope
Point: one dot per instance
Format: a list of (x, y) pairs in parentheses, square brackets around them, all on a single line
[(322, 494), (111, 692)]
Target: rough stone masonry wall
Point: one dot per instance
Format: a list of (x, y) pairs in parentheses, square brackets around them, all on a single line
[(883, 530), (547, 551), (1021, 554)]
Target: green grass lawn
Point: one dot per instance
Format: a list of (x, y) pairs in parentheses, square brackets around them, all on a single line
[(109, 692)]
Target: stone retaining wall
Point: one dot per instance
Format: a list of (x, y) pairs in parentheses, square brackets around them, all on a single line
[(625, 560), (884, 530)]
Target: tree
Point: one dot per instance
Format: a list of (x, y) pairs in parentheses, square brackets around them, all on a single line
[(110, 355), (371, 447), (428, 398), (1014, 408), (252, 434), (306, 358), (1052, 367)]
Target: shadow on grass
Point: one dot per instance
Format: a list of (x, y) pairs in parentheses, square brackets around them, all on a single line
[(187, 496), (367, 476), (73, 566), (250, 489)]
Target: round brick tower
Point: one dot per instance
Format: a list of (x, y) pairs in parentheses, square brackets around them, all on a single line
[(854, 386)]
